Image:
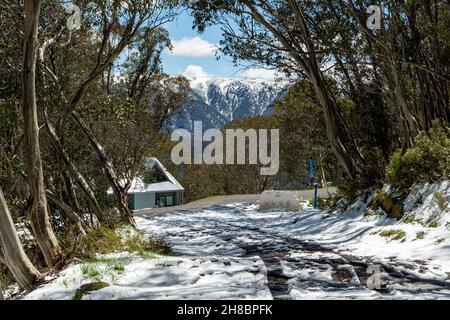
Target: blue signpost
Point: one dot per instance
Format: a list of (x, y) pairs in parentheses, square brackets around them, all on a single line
[(315, 195), (315, 185)]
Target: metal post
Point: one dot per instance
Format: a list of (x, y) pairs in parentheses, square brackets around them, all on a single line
[(311, 171), (316, 186)]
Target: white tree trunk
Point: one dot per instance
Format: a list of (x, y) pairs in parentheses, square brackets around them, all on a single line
[(39, 216), (15, 258)]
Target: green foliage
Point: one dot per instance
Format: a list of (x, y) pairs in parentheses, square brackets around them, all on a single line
[(392, 207), (116, 264), (433, 224), (126, 113), (371, 110), (420, 235), (410, 219), (145, 255), (96, 268), (153, 245), (102, 240), (350, 189), (153, 176), (78, 295), (105, 240), (202, 181), (370, 212), (90, 270), (393, 234), (247, 178), (302, 136), (441, 201), (374, 167), (427, 161), (6, 277), (326, 203)]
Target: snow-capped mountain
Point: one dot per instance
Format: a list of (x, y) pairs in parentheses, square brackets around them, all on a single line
[(216, 102)]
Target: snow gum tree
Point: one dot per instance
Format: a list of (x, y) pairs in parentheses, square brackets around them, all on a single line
[(11, 250), (38, 211), (377, 88)]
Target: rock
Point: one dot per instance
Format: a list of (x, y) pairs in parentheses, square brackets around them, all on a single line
[(88, 288), (94, 286)]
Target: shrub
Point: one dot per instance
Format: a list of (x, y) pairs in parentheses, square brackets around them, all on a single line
[(105, 240), (433, 224), (427, 161), (393, 208), (420, 235), (374, 167), (370, 212), (350, 189), (393, 234), (6, 277), (410, 219), (440, 200), (90, 271), (324, 203)]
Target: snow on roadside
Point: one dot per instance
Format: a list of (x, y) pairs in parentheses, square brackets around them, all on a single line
[(216, 257), (131, 276), (357, 233)]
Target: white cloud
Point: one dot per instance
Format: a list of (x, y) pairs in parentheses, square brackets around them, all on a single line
[(193, 48), (259, 73), (194, 72)]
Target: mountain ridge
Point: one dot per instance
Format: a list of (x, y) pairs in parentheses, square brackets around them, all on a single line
[(217, 101)]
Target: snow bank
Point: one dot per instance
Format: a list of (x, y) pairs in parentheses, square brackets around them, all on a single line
[(429, 203), (289, 200), (359, 230), (159, 277), (229, 251)]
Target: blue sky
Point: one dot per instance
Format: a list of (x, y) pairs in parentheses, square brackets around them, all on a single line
[(193, 54)]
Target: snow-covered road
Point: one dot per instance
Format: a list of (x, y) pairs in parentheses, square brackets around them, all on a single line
[(306, 255), (235, 251)]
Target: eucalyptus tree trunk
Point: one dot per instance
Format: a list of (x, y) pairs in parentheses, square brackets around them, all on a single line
[(73, 170), (39, 216), (119, 193), (322, 170), (338, 133), (70, 190), (298, 43), (14, 256), (68, 212)]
